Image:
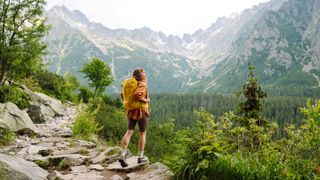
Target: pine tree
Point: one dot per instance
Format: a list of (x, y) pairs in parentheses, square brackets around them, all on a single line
[(252, 106)]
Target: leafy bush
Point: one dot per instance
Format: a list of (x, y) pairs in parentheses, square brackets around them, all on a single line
[(85, 94), (15, 95), (113, 122), (6, 136), (54, 85), (31, 83), (116, 102), (224, 149), (85, 126)]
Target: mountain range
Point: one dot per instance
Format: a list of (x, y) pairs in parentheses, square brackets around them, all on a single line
[(281, 38)]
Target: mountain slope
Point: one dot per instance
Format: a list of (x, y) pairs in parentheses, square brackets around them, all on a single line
[(74, 40), (280, 37), (281, 45)]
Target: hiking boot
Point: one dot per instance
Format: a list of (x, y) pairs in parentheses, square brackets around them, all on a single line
[(142, 159), (123, 161)]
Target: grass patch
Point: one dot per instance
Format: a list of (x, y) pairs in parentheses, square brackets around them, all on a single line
[(6, 136), (84, 152)]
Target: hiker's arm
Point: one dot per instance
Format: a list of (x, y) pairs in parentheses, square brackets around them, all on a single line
[(140, 94)]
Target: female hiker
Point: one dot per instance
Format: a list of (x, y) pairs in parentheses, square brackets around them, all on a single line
[(136, 99)]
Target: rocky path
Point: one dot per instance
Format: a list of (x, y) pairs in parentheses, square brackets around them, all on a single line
[(63, 157)]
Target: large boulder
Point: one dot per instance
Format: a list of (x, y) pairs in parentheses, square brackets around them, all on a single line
[(15, 119), (54, 104), (20, 169), (40, 113)]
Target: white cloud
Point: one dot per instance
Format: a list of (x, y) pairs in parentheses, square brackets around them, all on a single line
[(170, 16)]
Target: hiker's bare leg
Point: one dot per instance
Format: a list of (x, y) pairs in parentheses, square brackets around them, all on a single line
[(126, 139), (142, 142)]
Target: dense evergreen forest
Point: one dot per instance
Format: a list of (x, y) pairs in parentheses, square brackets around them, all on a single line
[(182, 107)]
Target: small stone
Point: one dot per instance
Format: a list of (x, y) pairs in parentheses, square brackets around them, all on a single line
[(96, 167), (116, 177), (79, 169), (35, 141), (92, 175), (22, 144), (54, 175), (67, 177), (131, 176), (86, 144)]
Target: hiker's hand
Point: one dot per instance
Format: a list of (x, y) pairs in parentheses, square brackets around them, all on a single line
[(148, 100)]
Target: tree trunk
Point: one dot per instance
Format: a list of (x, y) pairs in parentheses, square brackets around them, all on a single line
[(2, 76), (95, 92)]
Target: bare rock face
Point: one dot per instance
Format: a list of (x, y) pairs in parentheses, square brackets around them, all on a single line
[(20, 169), (15, 119), (53, 103), (40, 113)]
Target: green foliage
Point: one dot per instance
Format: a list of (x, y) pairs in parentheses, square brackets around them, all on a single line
[(181, 108), (116, 102), (22, 27), (6, 136), (85, 125), (113, 122), (221, 149), (85, 94), (55, 85), (15, 95), (44, 164), (70, 86), (161, 143), (45, 152), (31, 83), (84, 152), (251, 90), (99, 73)]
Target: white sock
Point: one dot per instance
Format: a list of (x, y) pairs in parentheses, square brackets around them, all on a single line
[(141, 154), (123, 152)]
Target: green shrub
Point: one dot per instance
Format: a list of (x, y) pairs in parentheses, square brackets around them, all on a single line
[(31, 84), (6, 136), (85, 94), (52, 84), (85, 126), (223, 149), (44, 164), (84, 152), (115, 101), (15, 95), (113, 122)]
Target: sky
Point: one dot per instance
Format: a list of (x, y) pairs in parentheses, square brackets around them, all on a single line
[(169, 16)]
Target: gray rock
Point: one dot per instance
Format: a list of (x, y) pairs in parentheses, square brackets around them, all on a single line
[(116, 177), (54, 104), (133, 165), (79, 169), (20, 169), (85, 144), (131, 176), (40, 113), (92, 175), (54, 175), (67, 177), (111, 152), (15, 119), (96, 167), (156, 171)]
